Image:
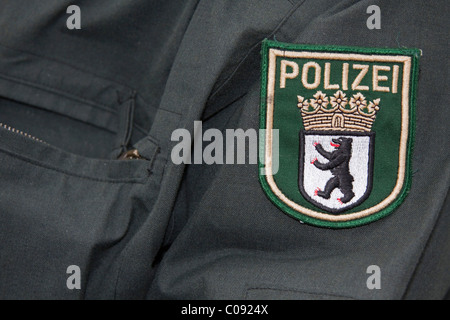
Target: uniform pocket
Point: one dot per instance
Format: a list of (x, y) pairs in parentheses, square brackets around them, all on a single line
[(64, 199)]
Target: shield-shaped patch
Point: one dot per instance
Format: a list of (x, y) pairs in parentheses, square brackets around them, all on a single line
[(345, 125)]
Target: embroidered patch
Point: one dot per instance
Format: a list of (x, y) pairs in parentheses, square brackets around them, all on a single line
[(345, 121)]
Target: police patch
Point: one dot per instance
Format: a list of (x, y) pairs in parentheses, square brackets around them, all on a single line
[(345, 124)]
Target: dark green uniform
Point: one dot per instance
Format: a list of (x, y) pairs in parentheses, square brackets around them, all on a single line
[(148, 228)]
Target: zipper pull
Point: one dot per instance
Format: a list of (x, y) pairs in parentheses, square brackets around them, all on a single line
[(130, 155)]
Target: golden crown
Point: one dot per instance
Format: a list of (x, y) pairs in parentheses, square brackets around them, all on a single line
[(338, 113)]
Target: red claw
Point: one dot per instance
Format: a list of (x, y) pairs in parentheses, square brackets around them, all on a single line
[(317, 190), (340, 201), (315, 144), (314, 160)]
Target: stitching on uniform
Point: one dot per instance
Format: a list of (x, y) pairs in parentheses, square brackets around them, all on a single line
[(419, 261), (69, 94), (297, 291), (40, 164), (76, 98), (64, 63), (59, 92), (152, 159), (209, 116), (142, 130), (282, 22)]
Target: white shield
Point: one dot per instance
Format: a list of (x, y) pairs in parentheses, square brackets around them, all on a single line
[(313, 180)]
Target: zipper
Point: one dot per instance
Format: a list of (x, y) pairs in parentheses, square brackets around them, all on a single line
[(24, 134), (127, 155)]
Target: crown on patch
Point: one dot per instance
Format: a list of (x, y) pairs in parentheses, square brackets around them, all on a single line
[(338, 112)]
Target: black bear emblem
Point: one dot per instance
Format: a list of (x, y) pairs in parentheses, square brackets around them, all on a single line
[(339, 165)]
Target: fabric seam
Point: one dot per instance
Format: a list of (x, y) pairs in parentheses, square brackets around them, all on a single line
[(68, 94), (275, 30), (425, 248), (49, 167), (296, 291)]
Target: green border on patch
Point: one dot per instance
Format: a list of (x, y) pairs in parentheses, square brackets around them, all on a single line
[(308, 213)]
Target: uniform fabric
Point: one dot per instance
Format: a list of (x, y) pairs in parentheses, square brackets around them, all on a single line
[(136, 71)]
